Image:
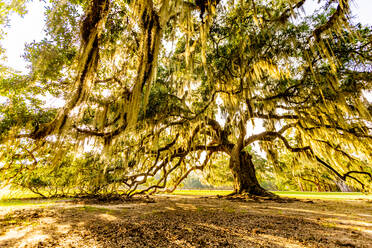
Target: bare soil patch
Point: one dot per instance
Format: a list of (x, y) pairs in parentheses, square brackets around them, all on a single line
[(174, 221)]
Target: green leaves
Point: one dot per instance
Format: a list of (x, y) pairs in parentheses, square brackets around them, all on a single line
[(23, 106), (48, 60)]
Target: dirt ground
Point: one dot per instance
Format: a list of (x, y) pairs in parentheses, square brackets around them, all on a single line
[(175, 221)]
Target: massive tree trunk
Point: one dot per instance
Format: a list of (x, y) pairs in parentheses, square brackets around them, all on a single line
[(242, 168), (245, 180)]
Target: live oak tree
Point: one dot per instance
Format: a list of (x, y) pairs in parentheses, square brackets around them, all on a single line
[(306, 87), (161, 88)]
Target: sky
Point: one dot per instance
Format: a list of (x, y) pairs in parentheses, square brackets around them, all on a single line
[(23, 30), (30, 27)]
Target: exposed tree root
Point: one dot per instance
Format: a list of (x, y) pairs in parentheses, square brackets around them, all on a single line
[(113, 199), (262, 196)]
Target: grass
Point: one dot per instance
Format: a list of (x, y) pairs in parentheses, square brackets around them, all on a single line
[(290, 194), (24, 202), (325, 195), (8, 194), (22, 197), (201, 192)]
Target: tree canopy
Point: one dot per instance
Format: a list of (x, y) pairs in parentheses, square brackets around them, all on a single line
[(154, 90)]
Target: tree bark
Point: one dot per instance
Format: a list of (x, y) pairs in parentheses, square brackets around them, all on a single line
[(245, 180), (242, 168)]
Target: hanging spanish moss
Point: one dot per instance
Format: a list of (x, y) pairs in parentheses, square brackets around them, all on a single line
[(159, 89)]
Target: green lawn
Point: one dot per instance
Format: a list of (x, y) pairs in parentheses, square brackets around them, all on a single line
[(201, 192), (292, 194), (325, 195), (7, 194), (18, 197)]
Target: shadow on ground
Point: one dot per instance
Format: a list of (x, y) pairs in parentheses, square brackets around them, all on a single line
[(190, 222)]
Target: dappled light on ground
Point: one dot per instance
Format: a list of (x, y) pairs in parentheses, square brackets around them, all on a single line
[(108, 217), (189, 222), (186, 206)]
